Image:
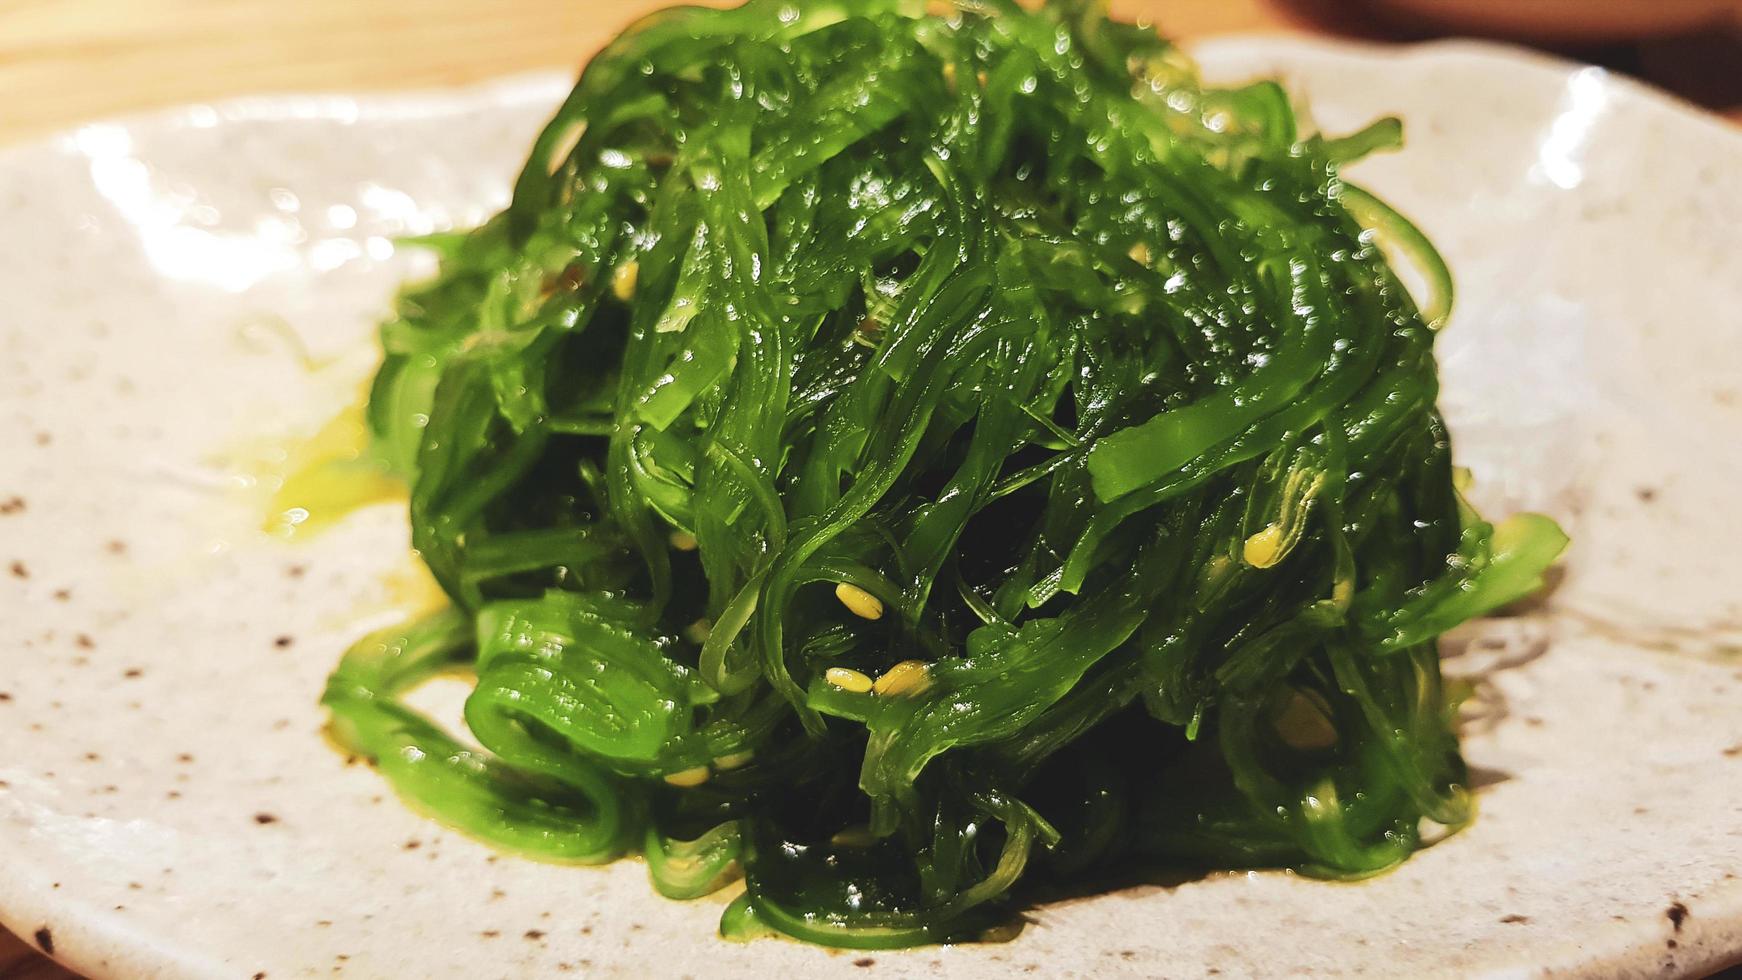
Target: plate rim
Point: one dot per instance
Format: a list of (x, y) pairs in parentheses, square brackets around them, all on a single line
[(365, 106)]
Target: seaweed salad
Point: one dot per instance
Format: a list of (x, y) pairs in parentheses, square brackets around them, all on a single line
[(909, 457)]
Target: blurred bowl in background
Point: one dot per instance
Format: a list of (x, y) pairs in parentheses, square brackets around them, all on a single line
[(1568, 20)]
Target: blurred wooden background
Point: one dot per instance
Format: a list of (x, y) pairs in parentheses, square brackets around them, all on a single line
[(67, 61), (64, 61)]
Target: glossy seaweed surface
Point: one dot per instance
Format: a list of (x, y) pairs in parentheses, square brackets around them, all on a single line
[(906, 459)]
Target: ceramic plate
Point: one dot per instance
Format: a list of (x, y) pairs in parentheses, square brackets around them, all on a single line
[(189, 293)]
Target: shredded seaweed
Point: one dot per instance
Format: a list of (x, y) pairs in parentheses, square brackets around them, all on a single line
[(902, 459)]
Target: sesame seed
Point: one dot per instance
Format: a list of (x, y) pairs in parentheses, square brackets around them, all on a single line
[(907, 677), (688, 777), (847, 680), (859, 602), (623, 280), (1264, 549), (734, 760)]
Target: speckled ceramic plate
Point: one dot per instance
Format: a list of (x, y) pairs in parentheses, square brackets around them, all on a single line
[(184, 289)]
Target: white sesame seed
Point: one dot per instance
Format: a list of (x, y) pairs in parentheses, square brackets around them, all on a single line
[(688, 777), (907, 677), (623, 280), (859, 602), (847, 679)]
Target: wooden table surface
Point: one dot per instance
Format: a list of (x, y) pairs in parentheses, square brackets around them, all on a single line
[(63, 61), (67, 61)]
